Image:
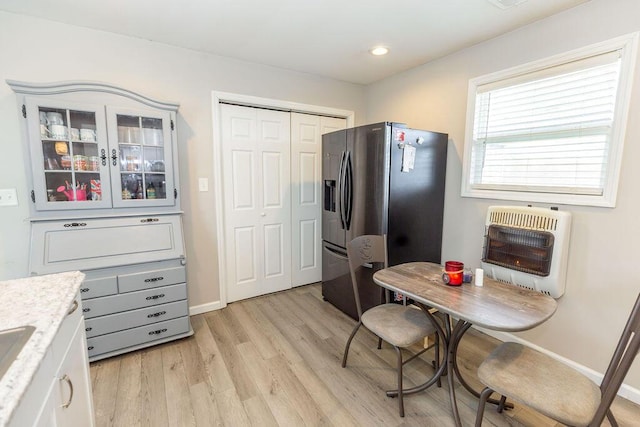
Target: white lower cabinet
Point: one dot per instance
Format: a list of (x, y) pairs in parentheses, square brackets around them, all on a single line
[(60, 392), (73, 385)]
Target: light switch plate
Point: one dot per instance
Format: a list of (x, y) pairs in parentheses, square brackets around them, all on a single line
[(203, 184), (8, 197)]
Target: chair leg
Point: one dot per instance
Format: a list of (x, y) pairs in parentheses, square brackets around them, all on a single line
[(501, 405), (346, 349), (481, 404), (611, 418), (400, 393), (437, 358)]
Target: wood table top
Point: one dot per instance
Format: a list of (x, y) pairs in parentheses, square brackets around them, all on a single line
[(496, 305)]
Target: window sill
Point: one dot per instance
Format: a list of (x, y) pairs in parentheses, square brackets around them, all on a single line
[(604, 201)]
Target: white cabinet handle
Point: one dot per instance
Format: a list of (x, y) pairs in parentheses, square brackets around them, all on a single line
[(73, 308), (66, 379), (263, 214)]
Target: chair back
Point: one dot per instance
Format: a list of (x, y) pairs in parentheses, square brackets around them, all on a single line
[(364, 250), (622, 359)]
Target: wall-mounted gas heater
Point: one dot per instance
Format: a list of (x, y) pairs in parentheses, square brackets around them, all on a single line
[(527, 247)]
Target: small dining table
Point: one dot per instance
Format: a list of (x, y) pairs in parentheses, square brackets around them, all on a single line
[(496, 306)]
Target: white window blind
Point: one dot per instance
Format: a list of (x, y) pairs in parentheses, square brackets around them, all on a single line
[(553, 127), (550, 133)]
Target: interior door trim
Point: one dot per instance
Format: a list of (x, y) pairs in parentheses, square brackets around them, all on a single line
[(219, 98)]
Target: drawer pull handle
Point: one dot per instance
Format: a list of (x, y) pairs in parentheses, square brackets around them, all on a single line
[(76, 224), (149, 220), (66, 379), (88, 329), (158, 332), (152, 297), (154, 279), (83, 290), (73, 308), (86, 310), (90, 348), (160, 313)]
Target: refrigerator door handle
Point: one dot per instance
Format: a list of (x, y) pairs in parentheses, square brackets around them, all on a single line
[(341, 185), (348, 170), (336, 253)]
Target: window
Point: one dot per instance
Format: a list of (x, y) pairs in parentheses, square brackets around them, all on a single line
[(551, 131)]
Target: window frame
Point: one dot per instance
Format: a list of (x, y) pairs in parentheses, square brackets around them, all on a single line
[(628, 46)]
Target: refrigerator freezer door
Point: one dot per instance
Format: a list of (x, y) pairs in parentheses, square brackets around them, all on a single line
[(333, 155), (416, 197)]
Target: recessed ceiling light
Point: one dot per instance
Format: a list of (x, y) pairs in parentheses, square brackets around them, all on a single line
[(379, 50), (506, 4)]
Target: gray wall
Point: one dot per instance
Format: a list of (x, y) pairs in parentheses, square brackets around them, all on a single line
[(43, 51), (603, 278)]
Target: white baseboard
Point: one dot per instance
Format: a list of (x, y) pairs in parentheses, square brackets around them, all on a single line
[(626, 391), (203, 308)]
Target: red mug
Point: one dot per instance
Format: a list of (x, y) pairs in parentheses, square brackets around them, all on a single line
[(453, 272)]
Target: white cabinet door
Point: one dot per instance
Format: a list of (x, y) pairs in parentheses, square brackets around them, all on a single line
[(74, 407), (256, 175), (68, 144), (140, 157), (306, 191)]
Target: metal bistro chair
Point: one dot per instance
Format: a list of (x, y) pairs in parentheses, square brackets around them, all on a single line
[(399, 325), (553, 388)]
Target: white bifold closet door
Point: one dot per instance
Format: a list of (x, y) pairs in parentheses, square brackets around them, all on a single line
[(272, 188), (306, 190)]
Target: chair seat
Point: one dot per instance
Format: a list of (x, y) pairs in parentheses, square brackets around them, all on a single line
[(542, 383), (397, 324)]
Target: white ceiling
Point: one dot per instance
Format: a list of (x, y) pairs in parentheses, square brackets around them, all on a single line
[(329, 38)]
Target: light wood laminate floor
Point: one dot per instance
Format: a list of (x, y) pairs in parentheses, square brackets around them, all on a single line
[(275, 361)]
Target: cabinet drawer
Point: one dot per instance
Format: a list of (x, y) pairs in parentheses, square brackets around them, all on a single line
[(132, 300), (130, 337), (151, 279), (132, 319), (99, 287)]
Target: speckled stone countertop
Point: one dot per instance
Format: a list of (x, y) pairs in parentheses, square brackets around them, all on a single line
[(39, 301)]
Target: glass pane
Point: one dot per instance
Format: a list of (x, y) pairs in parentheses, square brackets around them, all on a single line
[(155, 186), (152, 131), (154, 159), (130, 158), (83, 126), (132, 186)]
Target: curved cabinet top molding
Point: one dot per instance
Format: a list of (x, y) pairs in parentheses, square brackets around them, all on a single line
[(54, 88)]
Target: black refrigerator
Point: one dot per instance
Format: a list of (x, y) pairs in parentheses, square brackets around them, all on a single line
[(382, 178)]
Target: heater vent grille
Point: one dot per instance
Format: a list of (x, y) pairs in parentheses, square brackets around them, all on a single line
[(524, 220)]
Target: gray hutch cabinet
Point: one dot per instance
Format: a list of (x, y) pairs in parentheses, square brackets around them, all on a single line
[(105, 201)]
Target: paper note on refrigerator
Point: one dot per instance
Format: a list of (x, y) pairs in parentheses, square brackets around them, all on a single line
[(408, 157)]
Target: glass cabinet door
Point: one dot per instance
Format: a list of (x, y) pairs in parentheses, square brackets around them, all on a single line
[(69, 153), (142, 170)]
